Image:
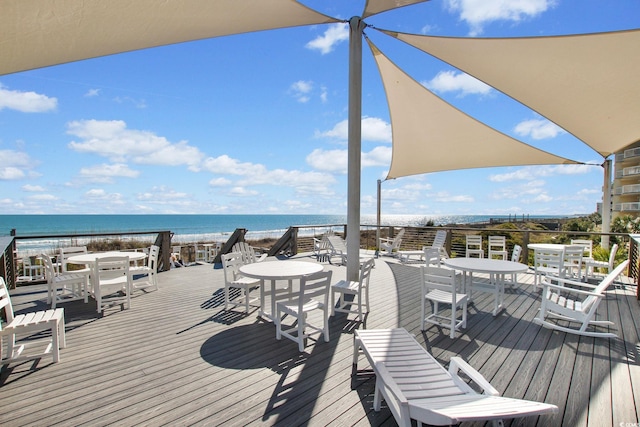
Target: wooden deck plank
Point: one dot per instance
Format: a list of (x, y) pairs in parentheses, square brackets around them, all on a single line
[(177, 358)]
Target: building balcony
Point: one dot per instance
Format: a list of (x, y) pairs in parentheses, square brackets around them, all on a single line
[(626, 189), (626, 207)]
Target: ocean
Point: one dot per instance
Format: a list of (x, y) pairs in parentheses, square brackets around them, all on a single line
[(198, 228)]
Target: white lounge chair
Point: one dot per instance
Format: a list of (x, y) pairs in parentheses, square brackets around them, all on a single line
[(337, 248), (29, 323), (415, 386), (575, 304), (391, 244)]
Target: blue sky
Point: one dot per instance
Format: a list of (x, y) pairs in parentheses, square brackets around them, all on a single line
[(256, 123)]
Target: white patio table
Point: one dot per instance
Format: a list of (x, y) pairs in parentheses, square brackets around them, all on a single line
[(495, 268), (272, 271), (93, 256)]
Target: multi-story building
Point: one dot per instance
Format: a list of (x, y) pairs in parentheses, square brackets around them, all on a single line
[(625, 195)]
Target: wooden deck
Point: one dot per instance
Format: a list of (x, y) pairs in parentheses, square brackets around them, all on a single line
[(177, 358)]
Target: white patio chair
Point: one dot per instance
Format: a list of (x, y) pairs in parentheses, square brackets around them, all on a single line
[(391, 244), (313, 295), (233, 279), (64, 286), (65, 253), (498, 247), (321, 249), (575, 302), (588, 249), (515, 257), (356, 290), (474, 246), (548, 262), (573, 257), (200, 253), (439, 287), (25, 325), (111, 282), (248, 253), (150, 271), (591, 265)]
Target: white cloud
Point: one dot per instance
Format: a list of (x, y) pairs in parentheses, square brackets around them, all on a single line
[(373, 129), (26, 102), (32, 188), (14, 164), (162, 194), (242, 192), (328, 160), (538, 129), (452, 81), (219, 182), (43, 197), (379, 156), (444, 197), (335, 34), (112, 139), (92, 92), (477, 13), (301, 90), (534, 172), (106, 173)]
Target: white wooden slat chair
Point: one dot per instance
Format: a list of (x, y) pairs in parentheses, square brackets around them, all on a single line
[(588, 248), (516, 253), (417, 387), (497, 246), (150, 271), (63, 287), (360, 303), (312, 295), (591, 265), (321, 249), (474, 246), (547, 262), (65, 266), (249, 255), (570, 301), (337, 248), (439, 287), (392, 244), (111, 282), (200, 253), (573, 258), (25, 324), (233, 279)]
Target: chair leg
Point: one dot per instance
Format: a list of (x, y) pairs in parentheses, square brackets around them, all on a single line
[(333, 303), (246, 299), (325, 331), (55, 340), (422, 313), (301, 324), (226, 297)]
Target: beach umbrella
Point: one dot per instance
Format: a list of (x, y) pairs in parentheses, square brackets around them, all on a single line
[(40, 33)]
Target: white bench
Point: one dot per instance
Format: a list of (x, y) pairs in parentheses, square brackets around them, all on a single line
[(416, 386)]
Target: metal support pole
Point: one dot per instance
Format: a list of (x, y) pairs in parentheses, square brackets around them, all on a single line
[(356, 26), (606, 204), (378, 219)]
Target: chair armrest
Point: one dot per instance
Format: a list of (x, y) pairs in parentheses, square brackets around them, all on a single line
[(562, 281), (385, 376), (262, 257), (457, 364), (546, 285), (386, 240)]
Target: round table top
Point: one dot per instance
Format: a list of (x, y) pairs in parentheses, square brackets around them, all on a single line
[(485, 265), (545, 246), (91, 257), (280, 270)]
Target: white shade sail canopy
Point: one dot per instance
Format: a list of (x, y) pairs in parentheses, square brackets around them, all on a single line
[(586, 84), (373, 7), (40, 33), (430, 135)]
